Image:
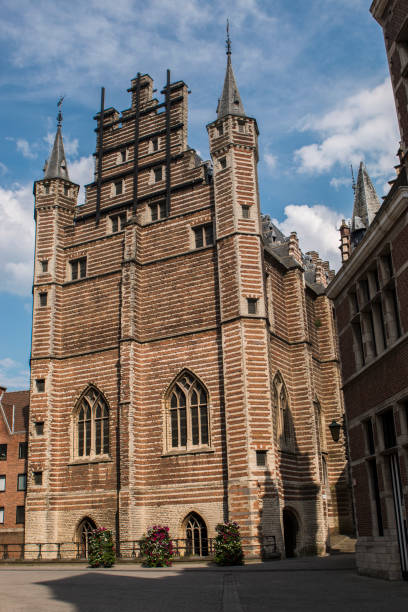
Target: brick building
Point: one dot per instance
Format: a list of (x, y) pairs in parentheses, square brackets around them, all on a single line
[(371, 299), (184, 365), (13, 464)]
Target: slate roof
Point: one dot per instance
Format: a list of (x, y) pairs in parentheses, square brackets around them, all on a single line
[(230, 102), (56, 166)]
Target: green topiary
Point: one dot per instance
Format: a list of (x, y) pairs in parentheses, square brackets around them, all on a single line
[(227, 544), (101, 552), (156, 547)]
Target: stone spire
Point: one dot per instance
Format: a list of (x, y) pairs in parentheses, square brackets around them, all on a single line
[(366, 201), (230, 101), (56, 166)]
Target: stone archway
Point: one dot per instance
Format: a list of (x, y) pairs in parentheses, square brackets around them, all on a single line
[(85, 527), (290, 532)]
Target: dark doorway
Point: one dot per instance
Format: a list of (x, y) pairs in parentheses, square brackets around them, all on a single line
[(84, 530), (290, 531)]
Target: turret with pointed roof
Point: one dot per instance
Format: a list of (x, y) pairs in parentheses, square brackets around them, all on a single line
[(230, 102), (56, 166), (366, 205)]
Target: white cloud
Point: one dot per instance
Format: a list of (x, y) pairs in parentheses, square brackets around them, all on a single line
[(13, 375), (23, 146), (3, 168), (81, 172), (270, 160), (364, 127), (341, 182), (16, 239), (317, 229), (17, 229)]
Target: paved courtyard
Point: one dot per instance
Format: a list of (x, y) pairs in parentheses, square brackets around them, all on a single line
[(318, 584)]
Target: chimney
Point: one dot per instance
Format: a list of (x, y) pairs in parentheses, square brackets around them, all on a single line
[(344, 241)]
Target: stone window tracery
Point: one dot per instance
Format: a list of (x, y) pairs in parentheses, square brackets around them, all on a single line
[(187, 414), (284, 420), (91, 425)]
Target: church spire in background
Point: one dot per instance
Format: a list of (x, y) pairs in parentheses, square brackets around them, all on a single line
[(230, 101), (366, 205), (56, 166)]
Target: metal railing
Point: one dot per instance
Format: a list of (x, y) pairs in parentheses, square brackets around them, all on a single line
[(130, 550)]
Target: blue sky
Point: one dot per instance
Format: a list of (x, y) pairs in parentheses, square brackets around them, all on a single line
[(313, 73)]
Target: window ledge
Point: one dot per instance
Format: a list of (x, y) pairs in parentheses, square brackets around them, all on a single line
[(190, 451), (90, 460)]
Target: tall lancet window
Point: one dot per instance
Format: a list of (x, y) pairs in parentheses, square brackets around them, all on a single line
[(187, 414), (91, 425), (285, 432)]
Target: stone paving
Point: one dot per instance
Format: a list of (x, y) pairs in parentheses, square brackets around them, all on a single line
[(328, 584)]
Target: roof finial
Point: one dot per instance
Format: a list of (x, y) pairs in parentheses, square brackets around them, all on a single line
[(353, 182), (228, 41), (59, 106)]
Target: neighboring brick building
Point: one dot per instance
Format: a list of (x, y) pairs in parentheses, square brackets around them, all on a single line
[(371, 299), (13, 464), (184, 365)]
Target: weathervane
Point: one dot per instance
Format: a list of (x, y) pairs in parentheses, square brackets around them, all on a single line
[(59, 106), (228, 41)]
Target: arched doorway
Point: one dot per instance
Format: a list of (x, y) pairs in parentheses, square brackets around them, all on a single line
[(196, 535), (84, 530), (290, 531)]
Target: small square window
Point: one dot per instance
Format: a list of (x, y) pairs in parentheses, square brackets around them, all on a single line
[(38, 478), (3, 452), (118, 187), (123, 156), (157, 210), (241, 126), (2, 483), (220, 130), (158, 174), (261, 458), (66, 190), (39, 428), (20, 515), (203, 235), (1, 515), (118, 222), (154, 144), (47, 189), (44, 265), (22, 450), (78, 268), (223, 163), (21, 482), (245, 211), (43, 299), (252, 305), (40, 385)]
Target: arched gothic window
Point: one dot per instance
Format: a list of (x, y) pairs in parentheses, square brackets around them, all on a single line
[(196, 535), (91, 425), (285, 433), (188, 414)]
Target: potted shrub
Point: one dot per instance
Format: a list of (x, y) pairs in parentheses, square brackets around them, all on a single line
[(156, 547), (101, 553), (227, 544)]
